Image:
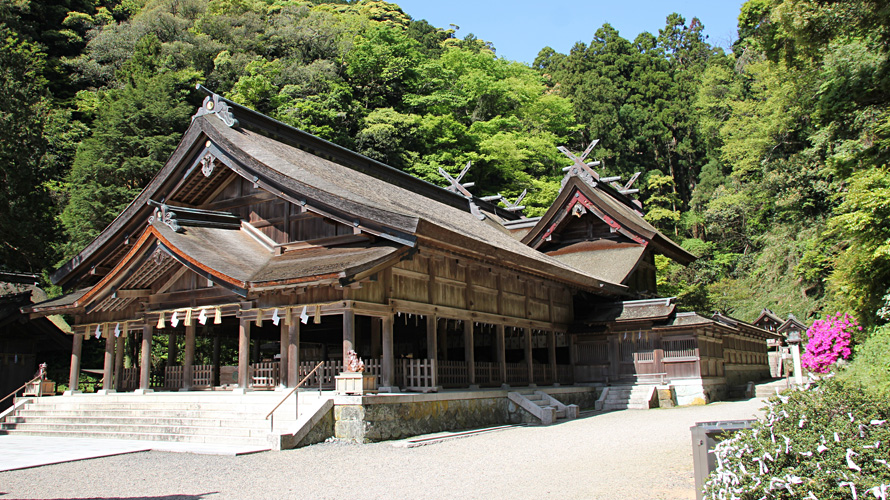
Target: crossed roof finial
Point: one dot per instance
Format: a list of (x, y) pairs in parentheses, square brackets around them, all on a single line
[(584, 170)]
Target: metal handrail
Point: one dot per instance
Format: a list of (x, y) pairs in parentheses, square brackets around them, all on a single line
[(272, 421), (39, 376)]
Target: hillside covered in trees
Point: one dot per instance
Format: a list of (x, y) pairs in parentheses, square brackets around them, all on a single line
[(769, 162)]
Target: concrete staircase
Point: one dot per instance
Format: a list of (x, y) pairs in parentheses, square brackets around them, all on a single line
[(627, 397), (191, 417), (543, 406)]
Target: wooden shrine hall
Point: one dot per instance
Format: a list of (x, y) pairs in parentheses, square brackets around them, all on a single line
[(260, 239)]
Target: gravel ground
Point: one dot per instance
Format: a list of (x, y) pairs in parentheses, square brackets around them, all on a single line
[(617, 455)]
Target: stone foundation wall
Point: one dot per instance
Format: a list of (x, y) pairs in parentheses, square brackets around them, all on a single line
[(382, 418), (321, 431), (742, 374)]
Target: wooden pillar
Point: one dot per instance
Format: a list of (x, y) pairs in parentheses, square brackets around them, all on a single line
[(348, 335), (243, 354), (217, 348), (432, 347), (188, 360), (551, 356), (145, 360), (119, 361), (172, 351), (74, 373), (527, 348), (501, 353), (388, 370), (470, 352), (283, 365), (108, 367), (293, 353)]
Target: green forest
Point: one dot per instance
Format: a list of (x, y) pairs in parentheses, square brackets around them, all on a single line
[(768, 162)]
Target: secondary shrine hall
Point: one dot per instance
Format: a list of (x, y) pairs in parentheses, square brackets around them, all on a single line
[(265, 245)]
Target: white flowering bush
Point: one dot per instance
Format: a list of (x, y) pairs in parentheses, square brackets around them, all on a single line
[(824, 441)]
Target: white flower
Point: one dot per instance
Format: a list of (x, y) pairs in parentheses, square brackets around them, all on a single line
[(822, 448), (852, 488), (877, 422)]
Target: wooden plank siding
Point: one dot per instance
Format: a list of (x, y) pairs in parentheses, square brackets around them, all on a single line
[(460, 283)]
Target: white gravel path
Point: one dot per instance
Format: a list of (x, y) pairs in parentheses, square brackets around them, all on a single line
[(617, 455)]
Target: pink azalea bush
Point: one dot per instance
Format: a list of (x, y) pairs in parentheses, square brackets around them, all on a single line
[(829, 340)]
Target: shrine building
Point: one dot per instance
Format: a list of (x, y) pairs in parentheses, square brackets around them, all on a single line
[(262, 239)]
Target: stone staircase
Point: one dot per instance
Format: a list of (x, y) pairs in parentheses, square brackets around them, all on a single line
[(627, 397), (188, 417), (768, 389), (543, 406)]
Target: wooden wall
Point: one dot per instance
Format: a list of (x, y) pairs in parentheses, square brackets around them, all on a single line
[(439, 279)]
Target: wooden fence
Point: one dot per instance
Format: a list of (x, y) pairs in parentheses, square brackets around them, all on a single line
[(202, 377), (416, 374), (453, 374)]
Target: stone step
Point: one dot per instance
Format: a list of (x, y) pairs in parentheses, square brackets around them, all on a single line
[(134, 420), (173, 430), (180, 438), (154, 413), (227, 407)]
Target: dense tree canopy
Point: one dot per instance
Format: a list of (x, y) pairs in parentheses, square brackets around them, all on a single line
[(769, 162)]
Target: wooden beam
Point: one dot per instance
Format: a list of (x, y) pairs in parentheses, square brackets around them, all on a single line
[(132, 293), (99, 270), (167, 284), (482, 317)]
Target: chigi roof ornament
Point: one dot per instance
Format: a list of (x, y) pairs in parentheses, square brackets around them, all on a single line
[(214, 105), (455, 186), (584, 170)]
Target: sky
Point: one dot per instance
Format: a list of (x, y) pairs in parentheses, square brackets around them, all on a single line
[(519, 29)]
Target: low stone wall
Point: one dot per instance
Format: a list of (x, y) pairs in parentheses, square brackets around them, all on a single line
[(699, 391), (742, 374), (366, 419)]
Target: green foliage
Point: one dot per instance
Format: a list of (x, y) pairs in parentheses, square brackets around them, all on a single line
[(870, 369), (768, 163), (25, 195), (815, 442), (134, 131), (861, 271)]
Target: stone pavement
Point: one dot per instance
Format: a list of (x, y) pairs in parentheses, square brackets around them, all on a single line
[(22, 452)]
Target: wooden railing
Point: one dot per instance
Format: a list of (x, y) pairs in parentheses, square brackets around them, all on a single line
[(265, 374), (488, 373), (174, 377), (416, 374), (270, 416), (323, 376), (129, 379), (543, 374), (453, 374), (517, 373)]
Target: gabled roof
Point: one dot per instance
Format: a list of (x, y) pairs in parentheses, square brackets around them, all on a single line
[(613, 208), (791, 323), (396, 209), (766, 314)]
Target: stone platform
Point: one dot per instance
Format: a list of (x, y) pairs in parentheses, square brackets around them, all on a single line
[(383, 417)]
